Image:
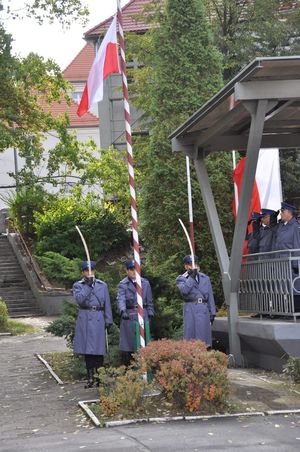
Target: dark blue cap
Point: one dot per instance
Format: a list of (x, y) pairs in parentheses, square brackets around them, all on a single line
[(285, 205), (85, 265), (267, 212), (255, 215), (188, 259), (129, 264)]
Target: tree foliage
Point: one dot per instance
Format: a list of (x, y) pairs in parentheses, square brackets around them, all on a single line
[(244, 29), (30, 85), (64, 11), (109, 170), (290, 174), (182, 69), (55, 227)]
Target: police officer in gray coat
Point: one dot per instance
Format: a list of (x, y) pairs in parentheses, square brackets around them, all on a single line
[(287, 236), (199, 306), (94, 316), (261, 239), (127, 305)]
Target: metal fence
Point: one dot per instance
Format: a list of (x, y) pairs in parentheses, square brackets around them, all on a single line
[(269, 283)]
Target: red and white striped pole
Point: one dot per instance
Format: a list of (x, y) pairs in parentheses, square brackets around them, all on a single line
[(131, 179)]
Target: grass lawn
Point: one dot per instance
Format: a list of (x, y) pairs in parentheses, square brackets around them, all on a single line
[(66, 365), (16, 327)]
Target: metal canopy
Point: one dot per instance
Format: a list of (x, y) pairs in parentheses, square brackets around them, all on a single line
[(223, 123), (259, 108)]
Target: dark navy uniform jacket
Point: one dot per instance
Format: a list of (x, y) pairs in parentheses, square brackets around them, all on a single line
[(287, 236), (261, 241)]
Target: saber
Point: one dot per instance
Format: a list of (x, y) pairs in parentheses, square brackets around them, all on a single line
[(86, 250), (106, 339), (189, 241)]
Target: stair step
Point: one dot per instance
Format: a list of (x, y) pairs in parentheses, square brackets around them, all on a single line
[(14, 281), (25, 308), (16, 290), (14, 287), (17, 300), (16, 315)]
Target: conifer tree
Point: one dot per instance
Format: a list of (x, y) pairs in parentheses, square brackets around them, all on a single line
[(184, 70)]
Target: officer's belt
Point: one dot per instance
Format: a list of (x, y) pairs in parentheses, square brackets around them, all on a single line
[(131, 306), (196, 300), (92, 308)]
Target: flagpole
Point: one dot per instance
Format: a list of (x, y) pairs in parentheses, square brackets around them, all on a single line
[(232, 104), (133, 204), (189, 189), (236, 195)]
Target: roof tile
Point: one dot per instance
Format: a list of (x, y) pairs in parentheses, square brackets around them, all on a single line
[(79, 68), (130, 23), (59, 108)]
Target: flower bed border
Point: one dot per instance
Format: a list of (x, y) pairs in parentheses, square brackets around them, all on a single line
[(47, 365), (84, 406)]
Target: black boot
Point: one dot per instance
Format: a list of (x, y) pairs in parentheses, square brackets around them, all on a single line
[(96, 378), (90, 381)]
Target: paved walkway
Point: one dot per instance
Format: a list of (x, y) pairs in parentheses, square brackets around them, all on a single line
[(39, 415), (31, 402)]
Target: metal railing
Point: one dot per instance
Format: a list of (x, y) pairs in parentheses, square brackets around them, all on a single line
[(269, 282)]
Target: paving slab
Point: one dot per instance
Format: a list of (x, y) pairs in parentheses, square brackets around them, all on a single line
[(31, 401), (38, 414)]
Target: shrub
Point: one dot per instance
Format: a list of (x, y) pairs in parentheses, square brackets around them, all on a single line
[(292, 368), (24, 203), (121, 390), (59, 269), (55, 227), (65, 325), (190, 377), (3, 316)]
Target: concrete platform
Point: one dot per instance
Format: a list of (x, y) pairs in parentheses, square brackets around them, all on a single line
[(266, 343)]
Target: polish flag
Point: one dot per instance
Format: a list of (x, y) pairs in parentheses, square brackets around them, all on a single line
[(106, 62), (267, 189)]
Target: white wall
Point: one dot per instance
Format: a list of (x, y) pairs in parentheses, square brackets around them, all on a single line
[(7, 164)]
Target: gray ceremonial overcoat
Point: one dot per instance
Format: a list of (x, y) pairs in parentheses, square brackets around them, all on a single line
[(196, 316), (287, 236), (127, 301), (90, 325)]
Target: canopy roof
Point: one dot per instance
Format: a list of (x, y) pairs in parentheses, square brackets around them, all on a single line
[(223, 122)]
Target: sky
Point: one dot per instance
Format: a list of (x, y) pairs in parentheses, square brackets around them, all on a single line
[(51, 41)]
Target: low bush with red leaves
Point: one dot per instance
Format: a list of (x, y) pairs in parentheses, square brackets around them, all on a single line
[(192, 378)]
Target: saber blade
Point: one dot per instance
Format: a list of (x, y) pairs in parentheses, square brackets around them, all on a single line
[(86, 249), (189, 242)]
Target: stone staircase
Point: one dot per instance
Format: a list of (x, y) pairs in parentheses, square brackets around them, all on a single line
[(14, 288)]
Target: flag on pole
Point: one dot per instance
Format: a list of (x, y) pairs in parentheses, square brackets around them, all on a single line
[(106, 62), (267, 190)]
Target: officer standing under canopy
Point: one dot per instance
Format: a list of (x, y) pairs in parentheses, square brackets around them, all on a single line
[(261, 239), (287, 237), (127, 305), (199, 306), (94, 316)]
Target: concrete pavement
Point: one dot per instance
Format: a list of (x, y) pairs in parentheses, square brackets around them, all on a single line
[(39, 415)]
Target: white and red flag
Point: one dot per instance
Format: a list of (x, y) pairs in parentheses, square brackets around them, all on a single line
[(106, 62), (267, 189)]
